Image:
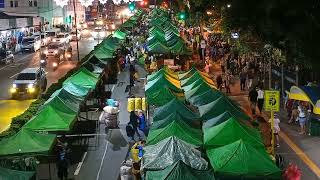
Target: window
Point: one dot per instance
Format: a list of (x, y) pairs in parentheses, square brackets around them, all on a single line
[(16, 4), (35, 3), (11, 3), (30, 3)]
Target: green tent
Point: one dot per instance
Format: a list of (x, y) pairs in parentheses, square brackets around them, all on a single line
[(95, 60), (158, 48), (229, 132), (83, 78), (156, 39), (174, 106), (161, 82), (201, 88), (180, 171), (10, 174), (195, 76), (205, 97), (26, 142), (171, 35), (75, 90), (240, 159), (68, 102), (219, 106), (161, 97), (169, 151), (217, 120), (102, 54), (173, 116), (187, 74), (164, 70), (178, 129), (119, 34), (52, 118)]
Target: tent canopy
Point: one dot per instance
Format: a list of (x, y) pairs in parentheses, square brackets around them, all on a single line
[(27, 141), (178, 129), (201, 88), (83, 78), (173, 116), (240, 159), (205, 97), (180, 171), (195, 76), (187, 74), (218, 120), (218, 107), (174, 106), (307, 93), (163, 81), (158, 48), (165, 70), (231, 131), (163, 96), (10, 174), (169, 151)]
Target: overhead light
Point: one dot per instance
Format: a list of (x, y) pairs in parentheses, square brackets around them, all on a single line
[(228, 5)]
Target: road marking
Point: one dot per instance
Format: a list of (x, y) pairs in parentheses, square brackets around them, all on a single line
[(101, 164), (76, 172), (24, 57), (301, 154)]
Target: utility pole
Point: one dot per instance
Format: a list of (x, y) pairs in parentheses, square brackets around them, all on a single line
[(75, 22)]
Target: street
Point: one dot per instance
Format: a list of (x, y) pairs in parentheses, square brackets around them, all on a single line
[(11, 108)]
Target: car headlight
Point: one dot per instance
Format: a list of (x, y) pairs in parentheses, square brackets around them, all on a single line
[(42, 61), (30, 86), (54, 64), (14, 86), (13, 90), (31, 90)]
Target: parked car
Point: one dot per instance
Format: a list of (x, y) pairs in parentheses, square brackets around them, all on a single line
[(75, 36), (98, 33), (62, 37), (55, 53), (30, 43), (6, 56), (29, 82)]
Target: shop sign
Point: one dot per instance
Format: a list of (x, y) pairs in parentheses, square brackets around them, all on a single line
[(272, 101)]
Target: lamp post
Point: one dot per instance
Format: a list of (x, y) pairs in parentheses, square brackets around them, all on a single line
[(75, 22)]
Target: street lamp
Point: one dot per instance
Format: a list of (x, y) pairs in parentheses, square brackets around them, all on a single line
[(228, 5)]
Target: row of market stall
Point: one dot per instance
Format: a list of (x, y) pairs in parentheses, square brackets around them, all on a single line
[(199, 133), (60, 112)]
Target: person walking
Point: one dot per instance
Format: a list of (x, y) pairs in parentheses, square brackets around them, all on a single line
[(260, 99), (142, 123), (253, 96), (134, 122), (203, 49), (302, 118), (243, 78), (276, 126), (219, 82)]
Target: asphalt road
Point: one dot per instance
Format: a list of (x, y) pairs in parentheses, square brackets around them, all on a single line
[(10, 108)]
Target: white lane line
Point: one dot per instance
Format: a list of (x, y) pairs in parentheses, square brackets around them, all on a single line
[(112, 88), (14, 75), (76, 172), (102, 160), (24, 57)]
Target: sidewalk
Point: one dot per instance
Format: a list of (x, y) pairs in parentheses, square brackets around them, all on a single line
[(298, 149)]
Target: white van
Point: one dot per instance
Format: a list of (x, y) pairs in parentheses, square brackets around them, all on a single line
[(30, 43)]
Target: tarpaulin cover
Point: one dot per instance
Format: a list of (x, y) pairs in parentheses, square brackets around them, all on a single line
[(240, 159), (217, 120), (220, 106), (229, 132), (174, 106), (188, 73), (95, 60), (197, 75), (68, 101), (173, 116), (163, 81), (180, 171), (164, 70), (26, 141), (52, 118), (83, 78), (102, 54), (76, 90), (178, 129), (157, 38), (163, 96), (169, 151), (172, 35), (205, 97), (10, 174), (158, 48), (201, 88)]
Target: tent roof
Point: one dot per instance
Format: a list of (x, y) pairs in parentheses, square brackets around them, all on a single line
[(219, 106), (201, 88), (164, 70), (195, 76), (163, 96), (10, 174), (218, 120), (230, 131), (305, 93), (169, 151), (180, 171), (72, 89), (65, 101), (26, 142), (163, 81), (102, 54), (240, 159), (173, 116), (178, 129), (174, 106), (158, 48), (52, 118), (188, 73), (205, 97), (83, 78), (119, 34)]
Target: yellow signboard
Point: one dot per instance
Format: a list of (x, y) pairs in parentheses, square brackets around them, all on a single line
[(272, 101)]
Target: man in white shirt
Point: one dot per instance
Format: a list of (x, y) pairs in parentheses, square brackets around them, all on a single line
[(260, 99), (203, 48)]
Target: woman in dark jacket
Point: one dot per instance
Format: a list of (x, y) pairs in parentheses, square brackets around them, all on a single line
[(134, 122)]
